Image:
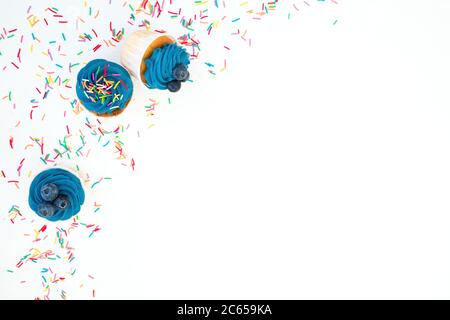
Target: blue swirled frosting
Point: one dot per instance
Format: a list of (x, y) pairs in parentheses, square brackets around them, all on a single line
[(104, 86), (68, 184), (161, 63)]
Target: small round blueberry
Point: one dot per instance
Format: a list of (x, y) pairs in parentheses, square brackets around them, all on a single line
[(49, 192), (62, 202), (46, 209), (174, 86), (180, 72)]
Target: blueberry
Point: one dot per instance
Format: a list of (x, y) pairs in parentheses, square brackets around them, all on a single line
[(180, 72), (46, 209), (49, 192), (174, 85), (62, 202)]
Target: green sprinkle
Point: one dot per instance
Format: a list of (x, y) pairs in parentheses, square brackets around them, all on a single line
[(94, 184), (26, 256)]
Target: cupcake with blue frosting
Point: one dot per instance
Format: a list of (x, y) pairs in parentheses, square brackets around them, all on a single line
[(56, 194), (104, 87), (156, 60)]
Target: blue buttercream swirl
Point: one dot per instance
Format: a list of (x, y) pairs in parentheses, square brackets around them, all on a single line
[(68, 184), (161, 63), (104, 86)]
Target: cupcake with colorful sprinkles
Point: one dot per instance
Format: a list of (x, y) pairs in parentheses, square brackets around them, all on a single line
[(56, 194), (156, 60), (104, 87)]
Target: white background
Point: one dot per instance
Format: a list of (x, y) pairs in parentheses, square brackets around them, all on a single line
[(317, 166)]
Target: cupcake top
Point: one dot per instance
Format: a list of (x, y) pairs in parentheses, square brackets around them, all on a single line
[(167, 67), (56, 194), (104, 87)]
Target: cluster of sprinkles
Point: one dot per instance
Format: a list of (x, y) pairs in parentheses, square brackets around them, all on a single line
[(52, 251), (100, 90), (51, 45)]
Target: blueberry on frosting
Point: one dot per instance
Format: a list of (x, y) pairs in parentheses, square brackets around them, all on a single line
[(180, 72), (62, 202), (69, 200), (46, 209), (174, 86), (49, 192)]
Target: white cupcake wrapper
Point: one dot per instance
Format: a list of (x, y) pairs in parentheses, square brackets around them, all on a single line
[(135, 48)]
